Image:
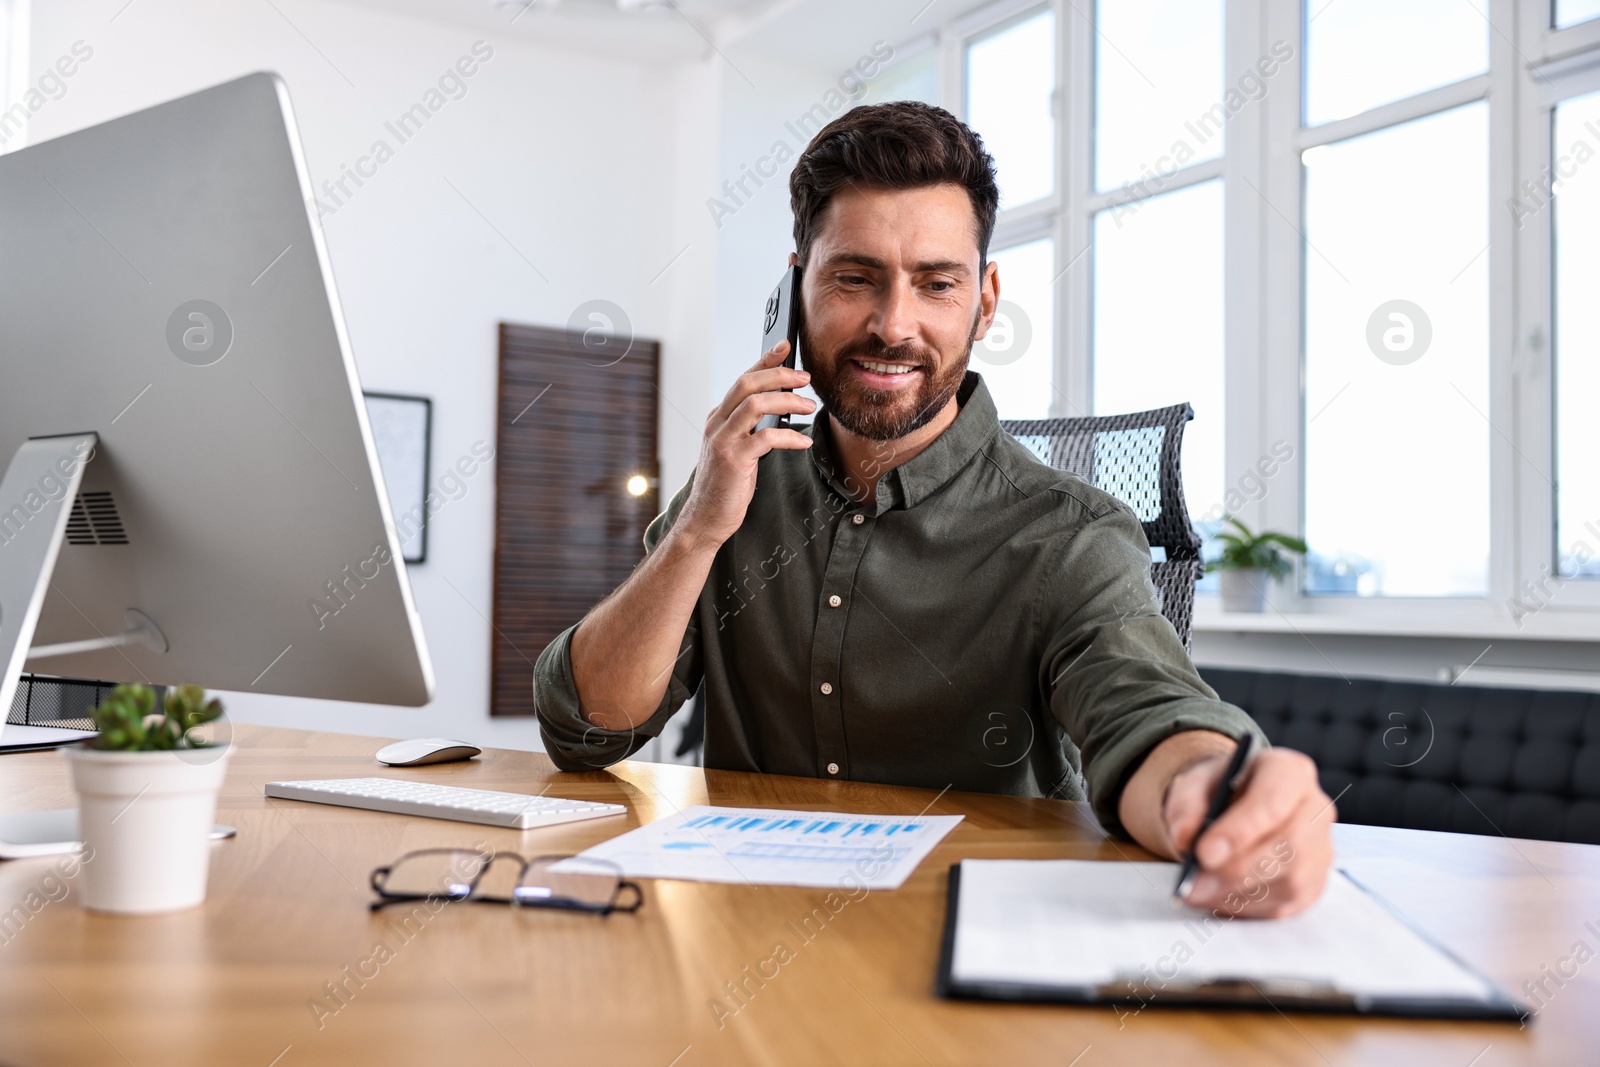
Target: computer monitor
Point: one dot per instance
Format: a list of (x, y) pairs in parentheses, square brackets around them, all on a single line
[(191, 491)]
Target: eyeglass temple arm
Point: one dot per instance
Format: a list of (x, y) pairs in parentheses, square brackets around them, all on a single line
[(638, 896)]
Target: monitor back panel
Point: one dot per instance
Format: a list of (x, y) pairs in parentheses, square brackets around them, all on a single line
[(164, 284)]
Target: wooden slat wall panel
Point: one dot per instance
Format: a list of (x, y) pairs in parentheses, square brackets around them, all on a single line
[(566, 530)]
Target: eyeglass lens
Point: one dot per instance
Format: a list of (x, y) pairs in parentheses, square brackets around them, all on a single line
[(544, 880), (570, 879), (449, 873)]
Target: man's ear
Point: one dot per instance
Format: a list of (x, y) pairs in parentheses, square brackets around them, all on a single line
[(794, 259), (988, 299)]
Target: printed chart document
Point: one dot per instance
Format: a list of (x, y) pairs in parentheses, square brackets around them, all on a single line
[(1076, 930), (765, 846)]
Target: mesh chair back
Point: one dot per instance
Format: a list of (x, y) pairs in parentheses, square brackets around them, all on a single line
[(1137, 459)]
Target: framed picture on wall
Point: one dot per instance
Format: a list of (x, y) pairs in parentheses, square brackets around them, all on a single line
[(402, 429)]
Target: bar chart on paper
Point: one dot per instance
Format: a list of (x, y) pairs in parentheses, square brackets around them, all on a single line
[(763, 846)]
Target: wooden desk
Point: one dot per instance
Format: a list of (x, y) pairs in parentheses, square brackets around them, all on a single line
[(236, 981)]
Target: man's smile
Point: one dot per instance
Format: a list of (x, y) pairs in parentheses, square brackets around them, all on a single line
[(886, 376)]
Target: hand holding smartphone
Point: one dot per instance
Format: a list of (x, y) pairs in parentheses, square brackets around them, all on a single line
[(782, 322), (732, 450)]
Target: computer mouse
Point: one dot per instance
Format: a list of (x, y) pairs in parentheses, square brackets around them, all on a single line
[(426, 750)]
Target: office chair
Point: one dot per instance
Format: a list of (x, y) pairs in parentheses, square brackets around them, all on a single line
[(1137, 459)]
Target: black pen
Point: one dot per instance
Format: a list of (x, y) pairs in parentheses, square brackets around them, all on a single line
[(1232, 778)]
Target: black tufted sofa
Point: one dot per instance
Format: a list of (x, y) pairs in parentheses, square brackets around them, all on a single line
[(1518, 762)]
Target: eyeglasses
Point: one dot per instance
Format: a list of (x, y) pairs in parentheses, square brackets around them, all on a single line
[(571, 882)]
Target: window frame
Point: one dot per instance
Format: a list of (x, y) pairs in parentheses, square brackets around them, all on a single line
[(1533, 66), (1288, 128), (1563, 64)]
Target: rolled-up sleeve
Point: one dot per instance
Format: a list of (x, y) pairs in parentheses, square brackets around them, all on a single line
[(1116, 676), (572, 742)]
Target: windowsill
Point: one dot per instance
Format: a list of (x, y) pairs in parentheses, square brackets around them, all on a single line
[(1547, 625)]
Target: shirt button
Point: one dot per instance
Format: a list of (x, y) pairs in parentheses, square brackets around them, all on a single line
[(833, 768), (827, 687), (858, 518), (834, 601)]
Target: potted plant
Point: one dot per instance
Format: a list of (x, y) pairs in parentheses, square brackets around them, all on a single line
[(147, 794), (1249, 561)]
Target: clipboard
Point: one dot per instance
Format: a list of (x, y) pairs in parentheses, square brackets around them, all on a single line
[(1240, 991)]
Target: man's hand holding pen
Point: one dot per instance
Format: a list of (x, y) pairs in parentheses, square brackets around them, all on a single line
[(1267, 853)]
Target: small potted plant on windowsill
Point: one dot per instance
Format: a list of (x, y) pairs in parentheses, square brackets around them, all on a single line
[(1249, 561), (147, 794)]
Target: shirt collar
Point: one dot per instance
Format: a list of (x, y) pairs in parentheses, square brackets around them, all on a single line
[(910, 483)]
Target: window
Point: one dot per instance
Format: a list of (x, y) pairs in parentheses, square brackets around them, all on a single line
[(1572, 12), (1576, 206), (1161, 116), (1397, 360), (1009, 98), (1395, 307), (1389, 335), (1011, 84), (1361, 54), (1158, 323), (1158, 88), (1017, 358), (1157, 302)]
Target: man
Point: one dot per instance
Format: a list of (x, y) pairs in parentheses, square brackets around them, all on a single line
[(901, 592)]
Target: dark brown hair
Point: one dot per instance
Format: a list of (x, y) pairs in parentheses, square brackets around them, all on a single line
[(902, 145)]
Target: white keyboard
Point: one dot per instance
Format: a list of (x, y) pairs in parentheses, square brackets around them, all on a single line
[(518, 811)]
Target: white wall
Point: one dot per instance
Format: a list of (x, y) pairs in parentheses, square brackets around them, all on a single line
[(572, 157), (753, 224), (689, 379)]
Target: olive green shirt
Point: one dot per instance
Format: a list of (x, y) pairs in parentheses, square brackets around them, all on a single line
[(985, 622)]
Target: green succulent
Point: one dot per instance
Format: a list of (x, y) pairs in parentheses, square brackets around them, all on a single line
[(1245, 551), (129, 722)]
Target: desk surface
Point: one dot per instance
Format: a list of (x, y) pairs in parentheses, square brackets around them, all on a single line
[(237, 981)]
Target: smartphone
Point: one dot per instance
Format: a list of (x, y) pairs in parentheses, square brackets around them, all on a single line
[(781, 322)]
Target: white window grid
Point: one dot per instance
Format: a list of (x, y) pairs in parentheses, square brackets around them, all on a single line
[(1533, 67)]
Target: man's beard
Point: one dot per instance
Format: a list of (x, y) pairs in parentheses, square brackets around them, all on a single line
[(877, 414)]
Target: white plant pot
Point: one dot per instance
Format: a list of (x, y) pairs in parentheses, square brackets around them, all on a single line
[(1244, 590), (146, 822)]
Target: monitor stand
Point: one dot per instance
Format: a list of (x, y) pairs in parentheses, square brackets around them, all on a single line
[(36, 496)]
